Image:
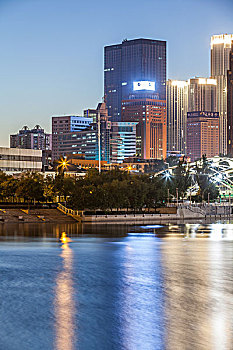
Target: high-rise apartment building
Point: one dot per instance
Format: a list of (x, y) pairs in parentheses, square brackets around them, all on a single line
[(202, 134), (220, 64), (177, 106), (230, 105), (35, 138), (151, 130), (133, 65), (202, 94)]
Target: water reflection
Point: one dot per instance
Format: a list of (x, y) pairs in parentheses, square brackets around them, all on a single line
[(64, 303), (221, 313), (157, 288), (141, 299), (186, 295)]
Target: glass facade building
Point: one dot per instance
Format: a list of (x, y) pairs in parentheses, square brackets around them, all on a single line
[(140, 60), (123, 141)]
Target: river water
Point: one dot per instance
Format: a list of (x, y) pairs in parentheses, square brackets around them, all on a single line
[(116, 287)]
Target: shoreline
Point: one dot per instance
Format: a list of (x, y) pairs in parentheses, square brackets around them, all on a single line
[(129, 221), (57, 216)]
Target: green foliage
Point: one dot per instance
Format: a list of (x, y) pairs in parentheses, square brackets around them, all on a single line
[(30, 187), (203, 176), (109, 190)]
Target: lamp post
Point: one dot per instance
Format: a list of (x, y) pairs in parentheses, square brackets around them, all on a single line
[(168, 195), (177, 197), (208, 198)]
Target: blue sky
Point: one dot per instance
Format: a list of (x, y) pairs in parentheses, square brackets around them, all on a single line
[(51, 59)]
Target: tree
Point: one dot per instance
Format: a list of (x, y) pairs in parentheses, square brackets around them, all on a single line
[(30, 187), (48, 188), (180, 180), (8, 188)]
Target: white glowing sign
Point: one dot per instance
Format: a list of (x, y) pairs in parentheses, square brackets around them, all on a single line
[(144, 85)]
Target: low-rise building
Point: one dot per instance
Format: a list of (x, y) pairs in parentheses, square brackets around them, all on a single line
[(18, 160)]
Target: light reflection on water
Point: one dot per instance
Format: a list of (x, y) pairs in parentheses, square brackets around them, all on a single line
[(64, 302), (165, 287), (221, 312)]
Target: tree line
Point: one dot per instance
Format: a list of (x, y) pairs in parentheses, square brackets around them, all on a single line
[(108, 190)]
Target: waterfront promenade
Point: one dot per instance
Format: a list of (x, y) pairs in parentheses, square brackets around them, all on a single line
[(166, 214)]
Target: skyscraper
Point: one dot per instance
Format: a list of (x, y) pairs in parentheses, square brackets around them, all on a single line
[(230, 105), (202, 95), (177, 104), (220, 63), (202, 134), (133, 65), (151, 130)]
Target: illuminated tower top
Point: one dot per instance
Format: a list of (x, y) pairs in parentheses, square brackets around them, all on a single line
[(220, 53), (224, 39)]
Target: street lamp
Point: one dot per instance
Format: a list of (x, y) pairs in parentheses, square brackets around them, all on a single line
[(63, 164)]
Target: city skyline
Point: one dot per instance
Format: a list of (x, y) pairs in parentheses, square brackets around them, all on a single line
[(52, 60)]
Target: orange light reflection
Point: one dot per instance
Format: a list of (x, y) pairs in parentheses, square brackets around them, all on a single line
[(64, 303)]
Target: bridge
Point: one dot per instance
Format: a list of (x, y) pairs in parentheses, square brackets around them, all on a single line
[(220, 171)]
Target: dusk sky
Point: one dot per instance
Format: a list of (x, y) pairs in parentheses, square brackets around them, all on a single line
[(52, 50)]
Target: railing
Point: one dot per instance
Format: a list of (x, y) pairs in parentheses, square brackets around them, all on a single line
[(67, 211)]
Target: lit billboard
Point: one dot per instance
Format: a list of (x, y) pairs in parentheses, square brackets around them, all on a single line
[(144, 85)]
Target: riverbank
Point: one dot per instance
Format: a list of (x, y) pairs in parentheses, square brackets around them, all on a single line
[(182, 214), (164, 216), (34, 216)]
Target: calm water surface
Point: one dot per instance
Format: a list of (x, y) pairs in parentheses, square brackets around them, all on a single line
[(116, 287)]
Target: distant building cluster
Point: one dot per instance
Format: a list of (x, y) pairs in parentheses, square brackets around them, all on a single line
[(204, 132), (143, 116)]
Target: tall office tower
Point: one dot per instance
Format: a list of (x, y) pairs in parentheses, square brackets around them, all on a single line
[(177, 104), (35, 138), (130, 66), (202, 95), (202, 134), (220, 63), (151, 130), (230, 105)]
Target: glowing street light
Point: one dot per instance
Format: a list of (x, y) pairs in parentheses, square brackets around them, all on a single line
[(167, 175), (63, 164)]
